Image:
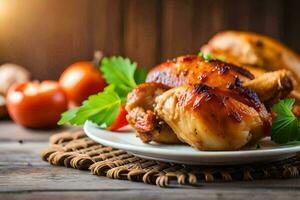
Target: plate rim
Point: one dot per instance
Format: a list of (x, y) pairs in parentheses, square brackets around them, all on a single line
[(238, 153)]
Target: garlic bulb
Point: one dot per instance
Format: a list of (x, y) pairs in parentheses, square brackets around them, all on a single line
[(10, 74)]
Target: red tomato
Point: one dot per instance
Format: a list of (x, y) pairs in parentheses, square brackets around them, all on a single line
[(36, 105), (80, 80), (120, 120)]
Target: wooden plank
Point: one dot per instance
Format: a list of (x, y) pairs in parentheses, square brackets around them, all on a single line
[(21, 169), (10, 131), (237, 15), (24, 175), (141, 31), (211, 17), (49, 178), (176, 36), (274, 18), (165, 194), (21, 163), (106, 21), (264, 17), (208, 19), (14, 154), (44, 36), (291, 29)]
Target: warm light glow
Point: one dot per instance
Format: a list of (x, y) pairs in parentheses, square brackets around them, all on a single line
[(3, 8)]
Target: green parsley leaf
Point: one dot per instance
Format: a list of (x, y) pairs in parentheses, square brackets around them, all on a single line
[(293, 143), (123, 73), (221, 58), (208, 57), (200, 54), (102, 109), (67, 116), (119, 71), (140, 75), (285, 126)]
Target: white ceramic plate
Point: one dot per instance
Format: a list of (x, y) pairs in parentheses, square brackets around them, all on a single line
[(127, 140)]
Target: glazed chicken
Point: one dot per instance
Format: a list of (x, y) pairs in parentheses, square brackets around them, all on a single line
[(193, 70), (141, 116), (213, 119), (214, 105), (204, 103)]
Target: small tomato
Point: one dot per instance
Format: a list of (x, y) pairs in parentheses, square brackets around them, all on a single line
[(36, 105), (120, 121), (80, 80)]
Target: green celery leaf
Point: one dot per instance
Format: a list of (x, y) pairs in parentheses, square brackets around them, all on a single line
[(101, 109), (285, 126)]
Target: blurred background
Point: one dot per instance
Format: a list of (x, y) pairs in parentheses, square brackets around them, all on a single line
[(45, 36)]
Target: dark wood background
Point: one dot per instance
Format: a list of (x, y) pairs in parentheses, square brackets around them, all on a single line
[(47, 35)]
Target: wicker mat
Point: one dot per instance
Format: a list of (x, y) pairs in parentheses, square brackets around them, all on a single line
[(73, 149)]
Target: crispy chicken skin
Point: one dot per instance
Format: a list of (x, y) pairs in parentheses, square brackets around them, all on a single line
[(193, 70), (213, 119), (141, 116)]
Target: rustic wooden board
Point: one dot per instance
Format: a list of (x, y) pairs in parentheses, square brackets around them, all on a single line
[(177, 28), (21, 162), (12, 132), (106, 29), (23, 175), (141, 31), (166, 194), (46, 36)]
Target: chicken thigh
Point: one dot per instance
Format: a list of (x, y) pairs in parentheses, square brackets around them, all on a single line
[(213, 119), (141, 116)]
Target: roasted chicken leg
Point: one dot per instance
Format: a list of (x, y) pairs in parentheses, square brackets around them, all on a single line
[(141, 116), (213, 119)]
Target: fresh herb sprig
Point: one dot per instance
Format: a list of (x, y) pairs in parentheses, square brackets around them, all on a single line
[(122, 75), (209, 57), (285, 126), (101, 109)]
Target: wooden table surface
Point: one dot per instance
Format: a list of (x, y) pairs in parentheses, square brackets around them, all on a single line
[(23, 175)]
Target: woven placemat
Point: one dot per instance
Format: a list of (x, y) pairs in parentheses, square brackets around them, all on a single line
[(74, 149)]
